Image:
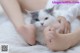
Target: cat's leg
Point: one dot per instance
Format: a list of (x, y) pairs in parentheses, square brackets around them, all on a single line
[(62, 41)]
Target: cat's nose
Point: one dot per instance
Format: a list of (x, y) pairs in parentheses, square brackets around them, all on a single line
[(42, 24)]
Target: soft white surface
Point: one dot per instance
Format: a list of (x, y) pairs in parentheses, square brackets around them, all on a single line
[(17, 44)]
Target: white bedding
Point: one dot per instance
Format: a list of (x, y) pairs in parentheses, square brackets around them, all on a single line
[(9, 36)]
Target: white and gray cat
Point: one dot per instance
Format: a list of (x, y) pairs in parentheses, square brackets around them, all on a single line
[(41, 19)]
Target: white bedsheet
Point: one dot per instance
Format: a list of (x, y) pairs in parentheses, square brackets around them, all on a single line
[(9, 36)]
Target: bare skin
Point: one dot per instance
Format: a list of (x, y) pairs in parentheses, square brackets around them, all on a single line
[(61, 42), (57, 41), (65, 25), (33, 5)]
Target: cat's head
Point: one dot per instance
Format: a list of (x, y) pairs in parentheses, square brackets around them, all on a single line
[(42, 18)]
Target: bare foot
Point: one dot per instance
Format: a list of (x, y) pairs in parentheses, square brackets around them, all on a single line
[(28, 33), (56, 41)]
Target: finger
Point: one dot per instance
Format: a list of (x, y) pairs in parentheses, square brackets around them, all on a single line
[(48, 40), (66, 30), (69, 29), (48, 28), (50, 37), (62, 30)]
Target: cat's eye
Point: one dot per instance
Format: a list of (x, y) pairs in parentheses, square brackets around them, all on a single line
[(46, 18), (36, 19)]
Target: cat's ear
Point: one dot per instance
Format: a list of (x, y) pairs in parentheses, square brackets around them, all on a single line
[(50, 10), (34, 14), (28, 12)]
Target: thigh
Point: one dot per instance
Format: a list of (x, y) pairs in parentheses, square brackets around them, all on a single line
[(32, 4)]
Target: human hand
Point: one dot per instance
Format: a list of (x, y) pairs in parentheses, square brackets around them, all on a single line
[(28, 33), (65, 25)]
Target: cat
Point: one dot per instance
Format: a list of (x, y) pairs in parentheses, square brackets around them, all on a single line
[(41, 19)]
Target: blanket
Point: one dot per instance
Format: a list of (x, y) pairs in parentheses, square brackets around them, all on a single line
[(8, 35)]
